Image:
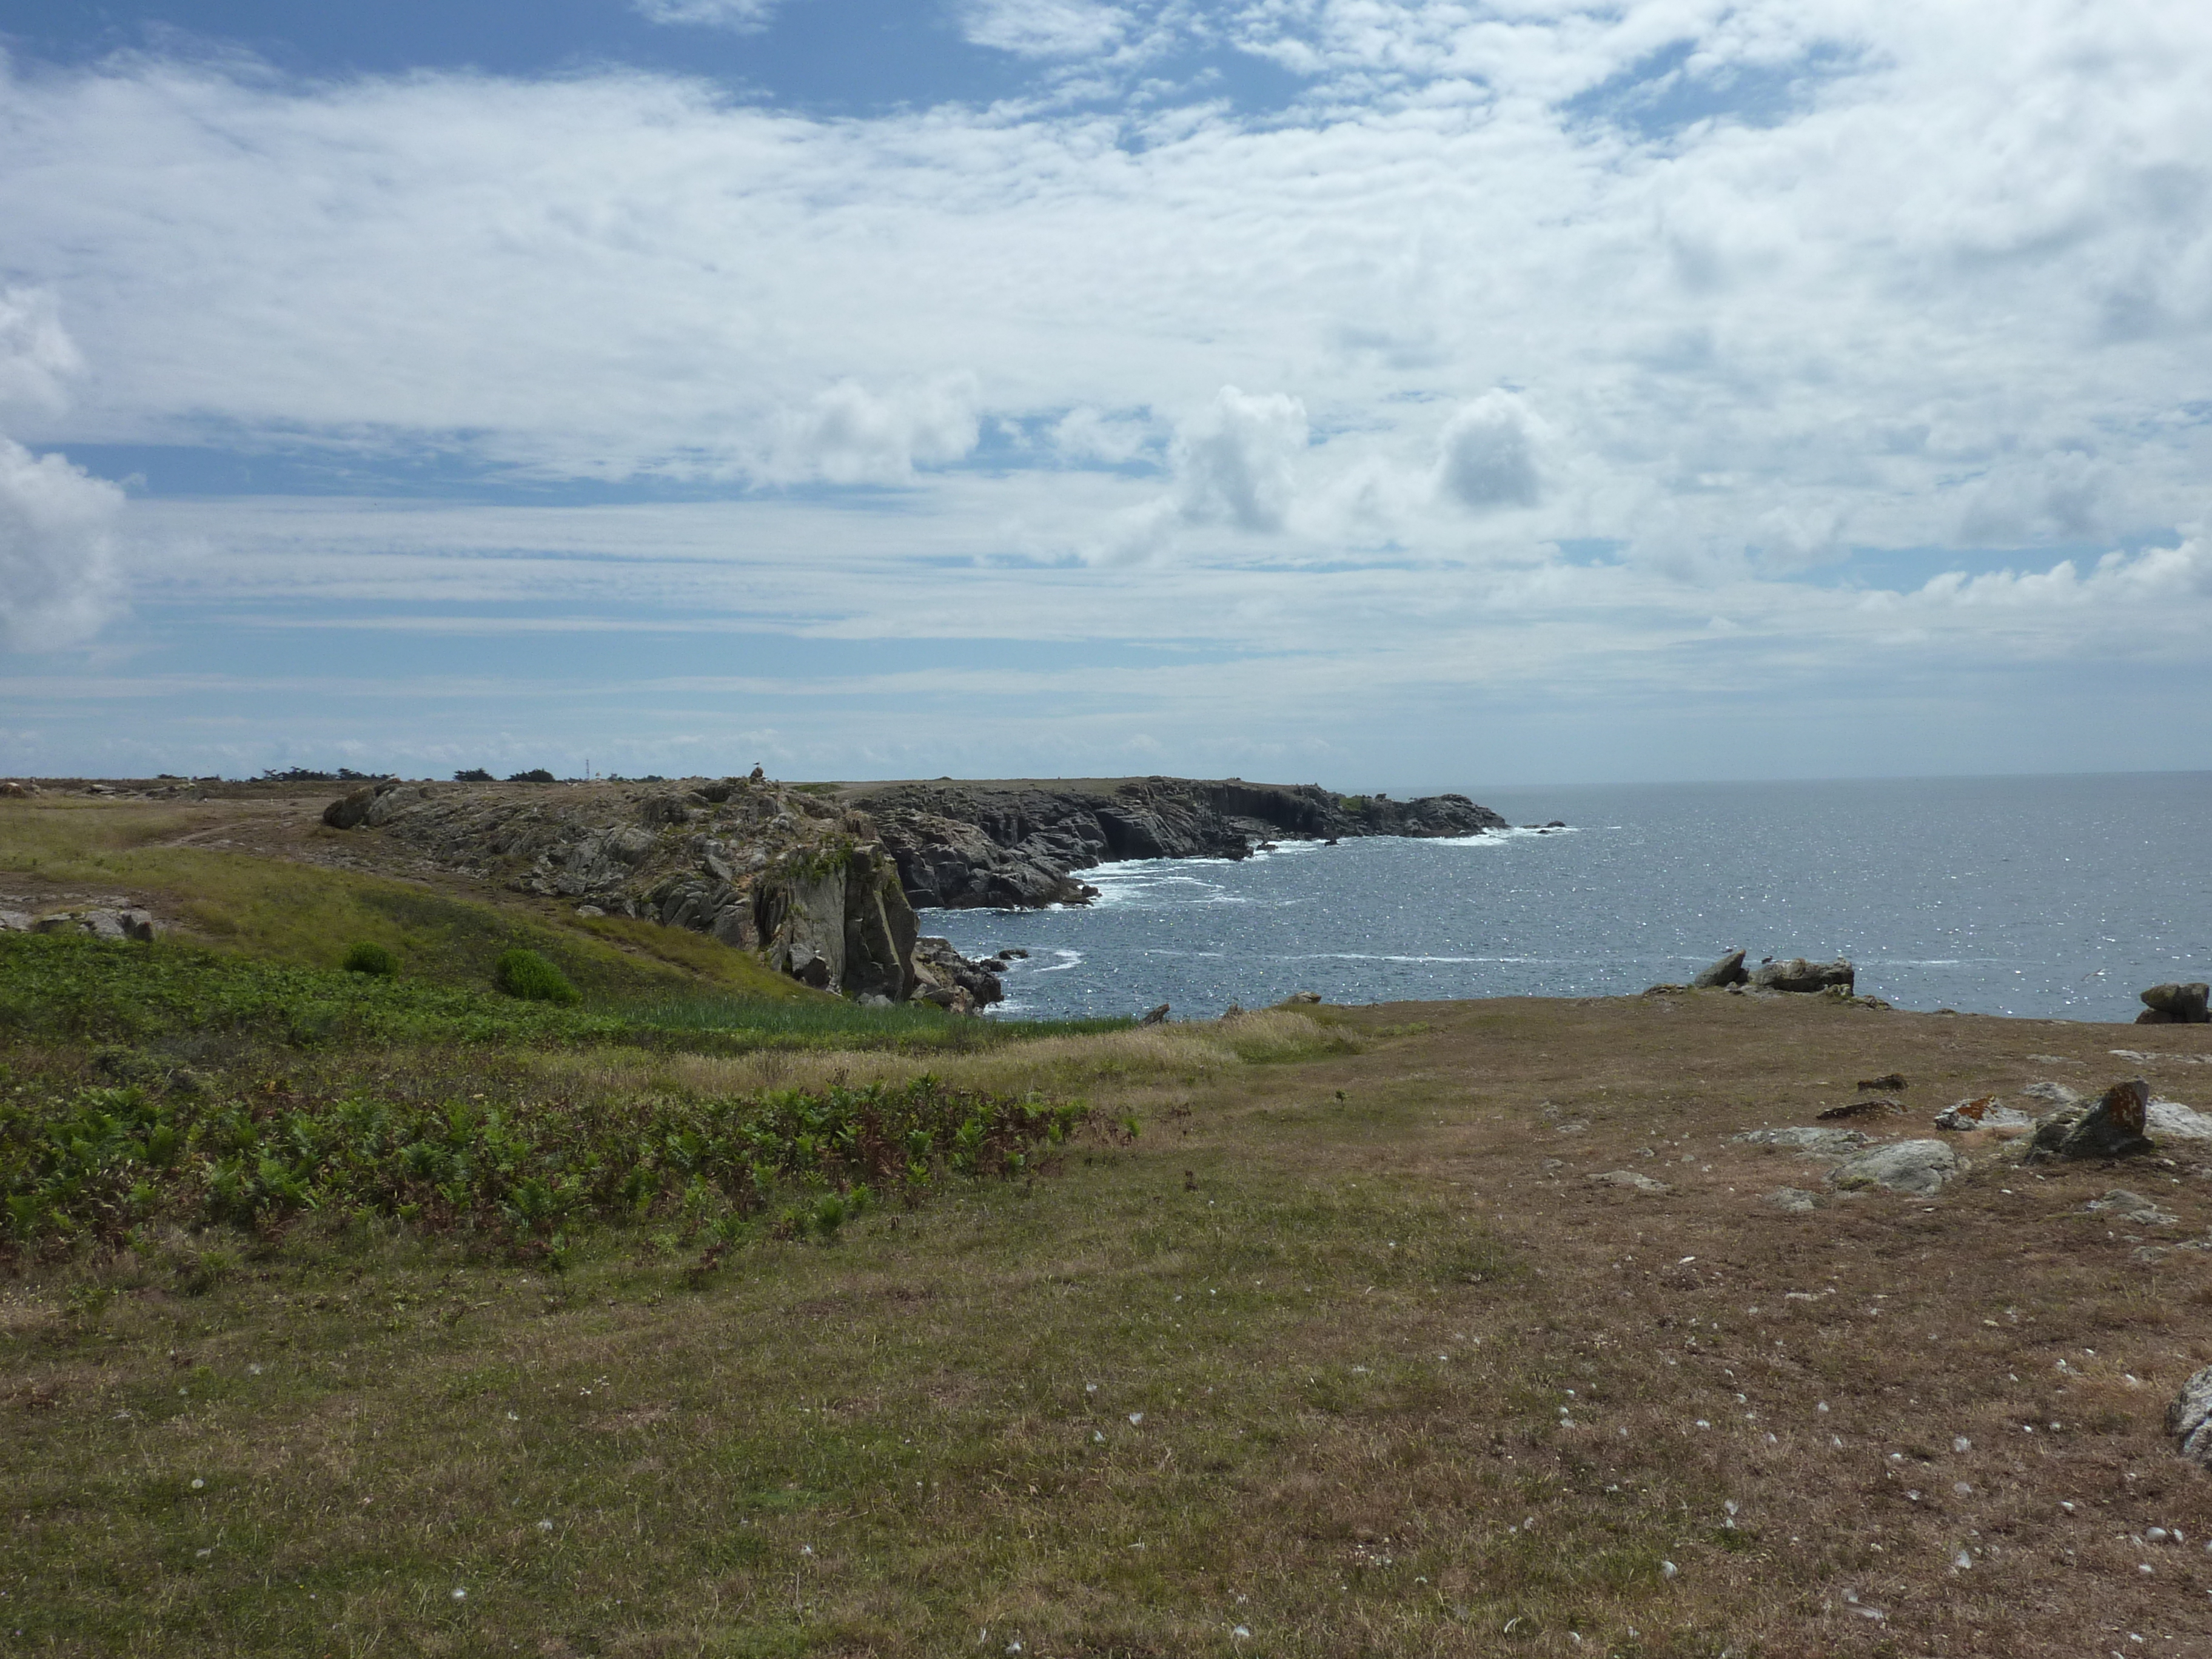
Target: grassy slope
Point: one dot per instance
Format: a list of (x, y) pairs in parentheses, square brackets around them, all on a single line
[(306, 915)]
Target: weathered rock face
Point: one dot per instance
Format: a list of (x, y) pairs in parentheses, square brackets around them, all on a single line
[(2177, 1005), (1014, 846), (758, 866), (1728, 970), (1798, 975)]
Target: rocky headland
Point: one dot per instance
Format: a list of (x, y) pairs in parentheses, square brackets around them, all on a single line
[(824, 880), (1016, 845)]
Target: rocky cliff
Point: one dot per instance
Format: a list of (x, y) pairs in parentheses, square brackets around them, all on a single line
[(763, 866), (1016, 844)]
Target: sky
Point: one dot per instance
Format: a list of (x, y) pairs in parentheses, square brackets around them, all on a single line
[(1405, 394)]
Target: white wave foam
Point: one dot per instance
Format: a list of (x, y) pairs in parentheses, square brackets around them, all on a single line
[(1068, 959)]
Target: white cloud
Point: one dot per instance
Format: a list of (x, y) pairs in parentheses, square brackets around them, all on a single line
[(849, 435), (58, 577), (1487, 457), (1043, 29), (741, 17), (1238, 460)]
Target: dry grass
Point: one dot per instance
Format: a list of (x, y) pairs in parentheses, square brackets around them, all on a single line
[(1136, 1060), (1345, 1350)]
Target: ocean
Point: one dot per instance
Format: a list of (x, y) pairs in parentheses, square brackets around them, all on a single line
[(2055, 896)]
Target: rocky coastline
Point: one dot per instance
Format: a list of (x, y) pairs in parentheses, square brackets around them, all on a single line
[(1016, 845), (824, 880)]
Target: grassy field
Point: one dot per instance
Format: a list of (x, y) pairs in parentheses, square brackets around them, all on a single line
[(1310, 1333)]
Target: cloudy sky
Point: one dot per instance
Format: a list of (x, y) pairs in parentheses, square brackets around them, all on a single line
[(1398, 394)]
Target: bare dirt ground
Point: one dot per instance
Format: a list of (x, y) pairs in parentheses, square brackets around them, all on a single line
[(1934, 1423)]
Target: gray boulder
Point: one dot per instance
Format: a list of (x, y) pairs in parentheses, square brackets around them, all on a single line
[(1798, 975), (1919, 1167), (15, 922), (2189, 1419), (2176, 1004), (2113, 1127), (1728, 970), (1796, 1200)]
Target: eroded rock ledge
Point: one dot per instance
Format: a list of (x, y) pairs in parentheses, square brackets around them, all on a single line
[(1017, 844)]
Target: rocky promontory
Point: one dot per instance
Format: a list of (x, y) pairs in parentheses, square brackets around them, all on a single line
[(1017, 844), (822, 880)]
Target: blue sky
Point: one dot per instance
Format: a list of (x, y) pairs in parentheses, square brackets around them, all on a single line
[(1398, 394)]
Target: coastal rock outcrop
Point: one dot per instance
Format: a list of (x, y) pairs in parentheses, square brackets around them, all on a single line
[(1016, 844), (2177, 1005), (1728, 970), (1798, 975), (765, 867)]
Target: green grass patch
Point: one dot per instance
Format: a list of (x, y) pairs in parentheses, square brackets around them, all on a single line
[(105, 1163)]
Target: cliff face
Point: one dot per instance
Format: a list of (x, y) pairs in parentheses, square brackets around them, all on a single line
[(762, 866), (1015, 845), (823, 881)]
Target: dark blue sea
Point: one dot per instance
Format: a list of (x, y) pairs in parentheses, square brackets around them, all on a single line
[(2051, 896)]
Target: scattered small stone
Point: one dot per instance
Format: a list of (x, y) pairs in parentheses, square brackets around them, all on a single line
[(2123, 1206), (1630, 1178), (1834, 1143), (1862, 1108), (1985, 1112)]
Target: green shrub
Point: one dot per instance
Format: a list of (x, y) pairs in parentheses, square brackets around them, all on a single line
[(526, 974), (366, 957)]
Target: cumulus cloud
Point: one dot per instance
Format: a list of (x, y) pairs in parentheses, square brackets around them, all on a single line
[(1488, 455), (850, 434), (1237, 461), (57, 575), (1043, 29), (741, 17)]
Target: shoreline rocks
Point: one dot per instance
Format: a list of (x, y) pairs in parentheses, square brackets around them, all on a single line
[(2177, 1005)]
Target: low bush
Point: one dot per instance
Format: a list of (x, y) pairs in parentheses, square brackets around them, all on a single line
[(369, 957), (526, 974)]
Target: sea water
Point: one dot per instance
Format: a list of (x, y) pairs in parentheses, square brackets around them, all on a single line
[(2052, 896)]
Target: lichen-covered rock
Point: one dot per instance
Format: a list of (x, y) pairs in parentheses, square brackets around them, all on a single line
[(1917, 1167), (2113, 1127)]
